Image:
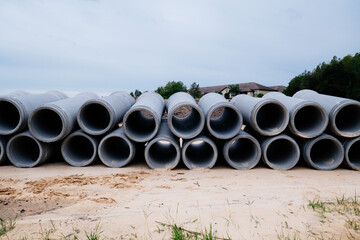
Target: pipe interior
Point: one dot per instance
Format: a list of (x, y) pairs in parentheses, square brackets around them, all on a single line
[(309, 120), (95, 117), (24, 150), (348, 119), (9, 116), (46, 123), (224, 120), (271, 117), (243, 152), (325, 153), (186, 120), (354, 154), (162, 154), (79, 149), (282, 153), (140, 124), (115, 149), (200, 153)]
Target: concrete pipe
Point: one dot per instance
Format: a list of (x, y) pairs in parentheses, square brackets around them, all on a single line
[(280, 152), (268, 117), (344, 114), (3, 157), (54, 121), (352, 153), (116, 150), (15, 109), (142, 121), (100, 115), (25, 151), (308, 119), (163, 151), (190, 125), (199, 152), (242, 152), (79, 149), (223, 119), (324, 152)]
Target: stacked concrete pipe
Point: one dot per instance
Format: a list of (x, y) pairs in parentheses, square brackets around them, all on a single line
[(192, 124), (225, 126), (100, 115), (54, 121), (116, 149), (268, 117), (163, 151), (142, 121), (3, 157), (308, 119), (352, 152), (79, 149), (18, 106), (344, 114)]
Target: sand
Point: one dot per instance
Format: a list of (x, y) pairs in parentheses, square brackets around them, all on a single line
[(134, 202)]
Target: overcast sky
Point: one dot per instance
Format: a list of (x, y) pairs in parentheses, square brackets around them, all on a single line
[(103, 46)]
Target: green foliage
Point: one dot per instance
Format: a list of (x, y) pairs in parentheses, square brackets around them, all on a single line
[(171, 88), (178, 233), (234, 89), (94, 235), (194, 90), (339, 77), (136, 94), (7, 226), (260, 95)]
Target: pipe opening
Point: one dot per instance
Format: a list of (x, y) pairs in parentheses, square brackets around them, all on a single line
[(282, 153), (79, 149), (140, 124), (115, 149), (271, 117), (24, 150), (9, 116), (162, 154), (325, 153), (243, 152), (95, 117), (46, 124), (200, 153), (224, 120), (347, 120), (354, 154), (186, 120), (310, 120)]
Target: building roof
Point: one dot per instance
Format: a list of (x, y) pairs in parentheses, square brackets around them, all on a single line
[(279, 88), (244, 87), (210, 89)]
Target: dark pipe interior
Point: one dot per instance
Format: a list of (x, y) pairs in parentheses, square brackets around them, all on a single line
[(354, 154), (95, 117), (115, 149), (348, 119), (187, 123), (9, 116), (140, 124), (325, 153), (200, 153), (243, 152), (309, 119), (24, 150), (162, 153), (282, 153), (270, 117), (46, 123), (224, 120), (79, 149)]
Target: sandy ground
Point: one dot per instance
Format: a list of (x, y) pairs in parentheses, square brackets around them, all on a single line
[(58, 200)]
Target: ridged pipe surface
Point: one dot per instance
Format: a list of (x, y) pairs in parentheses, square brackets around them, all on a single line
[(3, 143), (324, 152), (163, 151), (16, 107), (344, 114), (268, 117), (54, 121), (100, 115), (25, 151), (223, 119), (352, 153), (308, 119), (199, 152), (116, 149), (242, 152), (142, 121), (79, 149), (280, 152), (192, 123)]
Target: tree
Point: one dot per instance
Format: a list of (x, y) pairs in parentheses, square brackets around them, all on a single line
[(234, 89), (171, 88), (194, 90), (136, 94)]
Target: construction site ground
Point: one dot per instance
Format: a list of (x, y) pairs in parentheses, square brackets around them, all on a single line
[(58, 201)]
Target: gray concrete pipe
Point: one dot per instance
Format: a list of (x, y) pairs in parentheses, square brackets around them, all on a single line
[(268, 117), (163, 151), (192, 123), (79, 149), (25, 151), (344, 114), (308, 119), (242, 152), (54, 121), (16, 107), (352, 153), (324, 152), (3, 143), (142, 121), (229, 121), (100, 115), (199, 152), (280, 152), (116, 149)]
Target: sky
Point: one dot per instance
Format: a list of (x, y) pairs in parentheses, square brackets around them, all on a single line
[(113, 45)]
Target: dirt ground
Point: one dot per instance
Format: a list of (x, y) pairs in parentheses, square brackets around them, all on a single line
[(59, 202)]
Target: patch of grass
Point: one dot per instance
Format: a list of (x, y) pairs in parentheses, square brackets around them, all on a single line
[(95, 234), (7, 226), (179, 233)]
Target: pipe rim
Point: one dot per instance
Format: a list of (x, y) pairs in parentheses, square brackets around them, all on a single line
[(170, 165), (21, 123), (348, 148), (337, 110), (206, 140), (2, 151)]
